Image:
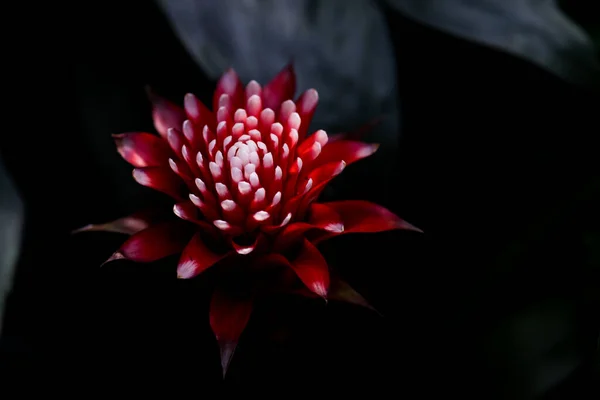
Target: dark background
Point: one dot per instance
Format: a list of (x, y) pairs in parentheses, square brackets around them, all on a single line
[(499, 299)]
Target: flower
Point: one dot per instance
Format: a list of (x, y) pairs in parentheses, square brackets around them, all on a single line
[(245, 180)]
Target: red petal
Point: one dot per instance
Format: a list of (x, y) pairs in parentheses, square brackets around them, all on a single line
[(156, 242), (347, 150), (142, 149), (187, 211), (320, 177), (229, 316), (311, 268), (365, 217), (197, 112), (161, 179), (305, 107), (229, 84), (165, 114), (128, 225), (320, 217), (196, 258), (280, 89), (341, 291)]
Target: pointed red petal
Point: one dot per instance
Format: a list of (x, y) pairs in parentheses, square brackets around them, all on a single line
[(165, 114), (142, 149), (156, 242), (196, 258), (365, 217), (349, 151), (305, 107), (128, 225), (311, 268), (161, 179), (229, 316), (231, 85), (340, 290), (280, 89), (320, 217)]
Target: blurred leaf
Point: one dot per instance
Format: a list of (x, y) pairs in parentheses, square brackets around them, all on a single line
[(341, 48), (11, 220), (536, 30)]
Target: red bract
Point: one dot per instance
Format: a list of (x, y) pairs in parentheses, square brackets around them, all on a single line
[(245, 178)]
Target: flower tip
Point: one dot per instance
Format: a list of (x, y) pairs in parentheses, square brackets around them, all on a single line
[(340, 168), (320, 289), (116, 256), (337, 227), (82, 229)]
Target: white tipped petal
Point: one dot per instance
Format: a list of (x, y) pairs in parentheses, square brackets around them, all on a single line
[(173, 166), (196, 200), (240, 115), (219, 159), (261, 216), (222, 225), (286, 220), (260, 194), (254, 158), (236, 162), (308, 185), (215, 170), (244, 187), (200, 184), (254, 181), (222, 190), (236, 175), (248, 170), (268, 160), (276, 199), (228, 205), (294, 121), (212, 145)]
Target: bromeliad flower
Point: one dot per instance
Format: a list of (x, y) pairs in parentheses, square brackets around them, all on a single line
[(245, 179)]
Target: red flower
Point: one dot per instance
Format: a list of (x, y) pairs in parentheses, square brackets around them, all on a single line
[(245, 179)]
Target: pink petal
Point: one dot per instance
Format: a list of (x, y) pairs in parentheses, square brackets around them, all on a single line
[(229, 84), (361, 216), (280, 89), (165, 114), (311, 268), (196, 258), (161, 179), (347, 150), (156, 242), (142, 149), (229, 316), (128, 225)]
